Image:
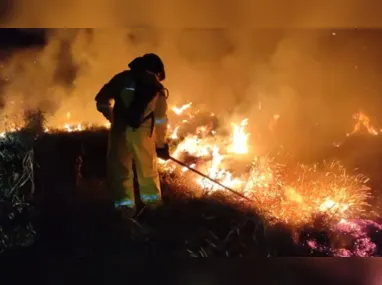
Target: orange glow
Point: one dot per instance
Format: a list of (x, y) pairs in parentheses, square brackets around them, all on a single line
[(292, 195)]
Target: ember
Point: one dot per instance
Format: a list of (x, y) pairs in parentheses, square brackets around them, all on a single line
[(361, 244)]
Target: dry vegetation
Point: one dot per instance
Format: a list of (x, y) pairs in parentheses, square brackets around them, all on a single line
[(190, 224)]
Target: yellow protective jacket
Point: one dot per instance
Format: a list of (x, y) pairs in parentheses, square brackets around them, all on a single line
[(122, 88), (127, 143)]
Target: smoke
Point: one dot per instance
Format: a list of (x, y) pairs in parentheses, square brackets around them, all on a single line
[(195, 14), (313, 79)]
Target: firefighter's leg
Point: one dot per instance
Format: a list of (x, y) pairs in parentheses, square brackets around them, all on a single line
[(119, 168), (143, 148)]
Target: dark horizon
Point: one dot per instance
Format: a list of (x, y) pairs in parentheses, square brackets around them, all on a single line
[(20, 38), (25, 37)]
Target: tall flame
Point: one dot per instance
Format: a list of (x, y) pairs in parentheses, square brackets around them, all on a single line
[(239, 138)]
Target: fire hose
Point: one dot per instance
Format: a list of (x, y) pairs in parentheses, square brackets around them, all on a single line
[(209, 178)]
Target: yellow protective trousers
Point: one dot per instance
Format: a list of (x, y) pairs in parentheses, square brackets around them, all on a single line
[(126, 145)]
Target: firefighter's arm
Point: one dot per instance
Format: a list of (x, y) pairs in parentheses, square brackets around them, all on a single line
[(104, 102), (160, 114), (106, 95)]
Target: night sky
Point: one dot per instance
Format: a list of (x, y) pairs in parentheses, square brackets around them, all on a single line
[(19, 38)]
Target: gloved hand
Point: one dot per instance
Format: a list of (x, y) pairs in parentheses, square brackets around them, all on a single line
[(163, 152), (105, 110)]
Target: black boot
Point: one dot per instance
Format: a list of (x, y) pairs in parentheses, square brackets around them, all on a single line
[(126, 213)]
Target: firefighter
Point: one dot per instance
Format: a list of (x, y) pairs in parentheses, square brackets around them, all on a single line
[(138, 130)]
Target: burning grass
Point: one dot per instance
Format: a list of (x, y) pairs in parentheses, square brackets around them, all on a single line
[(282, 192), (284, 198)]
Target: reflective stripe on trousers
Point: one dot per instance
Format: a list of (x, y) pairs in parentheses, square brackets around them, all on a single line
[(124, 203), (153, 198), (147, 199)]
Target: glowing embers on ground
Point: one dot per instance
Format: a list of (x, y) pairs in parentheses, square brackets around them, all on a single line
[(322, 190), (353, 236), (71, 126), (67, 125), (10, 126)]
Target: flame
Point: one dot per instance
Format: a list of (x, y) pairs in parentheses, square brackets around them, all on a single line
[(240, 138), (185, 169), (292, 195), (362, 120), (174, 134), (181, 109)]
